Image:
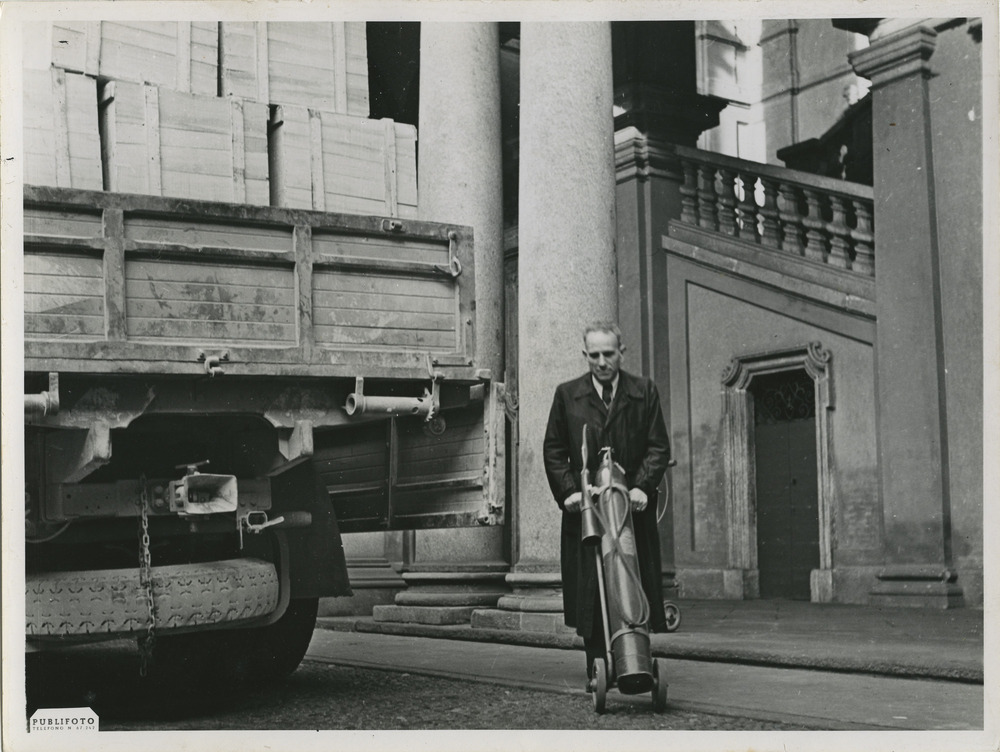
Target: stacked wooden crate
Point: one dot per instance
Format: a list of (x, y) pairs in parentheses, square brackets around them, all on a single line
[(179, 55), (332, 162), (61, 142), (318, 65), (170, 143), (326, 154), (184, 109)]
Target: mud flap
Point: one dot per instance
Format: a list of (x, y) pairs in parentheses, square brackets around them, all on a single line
[(318, 567)]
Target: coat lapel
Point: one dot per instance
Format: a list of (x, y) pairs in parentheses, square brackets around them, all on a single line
[(584, 392), (593, 412), (627, 390)]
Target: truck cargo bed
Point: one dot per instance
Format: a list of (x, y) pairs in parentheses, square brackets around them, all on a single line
[(129, 283)]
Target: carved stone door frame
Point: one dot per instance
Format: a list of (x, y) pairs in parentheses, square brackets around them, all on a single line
[(741, 579)]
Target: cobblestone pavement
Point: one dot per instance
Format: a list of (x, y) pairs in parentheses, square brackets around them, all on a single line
[(325, 696)]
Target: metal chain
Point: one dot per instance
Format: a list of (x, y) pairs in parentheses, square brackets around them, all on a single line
[(147, 640)]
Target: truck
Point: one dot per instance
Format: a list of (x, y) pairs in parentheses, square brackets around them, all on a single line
[(215, 393)]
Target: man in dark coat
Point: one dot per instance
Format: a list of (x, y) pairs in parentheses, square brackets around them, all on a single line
[(623, 412)]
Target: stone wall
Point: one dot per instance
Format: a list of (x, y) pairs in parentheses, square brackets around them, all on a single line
[(714, 317)]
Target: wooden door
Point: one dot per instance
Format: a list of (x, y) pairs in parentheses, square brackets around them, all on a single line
[(787, 496)]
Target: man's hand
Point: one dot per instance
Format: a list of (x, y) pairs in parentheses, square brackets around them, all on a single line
[(573, 502), (638, 498)]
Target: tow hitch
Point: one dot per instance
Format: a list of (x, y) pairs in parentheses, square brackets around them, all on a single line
[(202, 493)]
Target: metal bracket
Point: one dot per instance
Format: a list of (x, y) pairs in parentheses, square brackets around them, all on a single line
[(434, 424), (191, 468), (510, 405), (243, 523), (296, 443), (454, 267), (76, 453), (431, 362), (289, 520), (213, 362)]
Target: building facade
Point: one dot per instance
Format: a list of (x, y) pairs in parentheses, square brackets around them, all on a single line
[(817, 342)]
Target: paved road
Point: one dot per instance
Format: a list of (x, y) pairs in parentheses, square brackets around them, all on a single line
[(819, 699), (366, 681), (321, 696)]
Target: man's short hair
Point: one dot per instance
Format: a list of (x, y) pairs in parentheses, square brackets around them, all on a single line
[(608, 327)]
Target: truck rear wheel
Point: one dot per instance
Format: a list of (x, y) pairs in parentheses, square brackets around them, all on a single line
[(234, 658), (284, 643)]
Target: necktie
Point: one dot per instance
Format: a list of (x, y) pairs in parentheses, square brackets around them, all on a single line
[(606, 394)]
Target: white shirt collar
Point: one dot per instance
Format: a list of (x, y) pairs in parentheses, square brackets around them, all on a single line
[(600, 388)]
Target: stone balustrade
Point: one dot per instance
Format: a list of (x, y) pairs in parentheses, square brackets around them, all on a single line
[(822, 219)]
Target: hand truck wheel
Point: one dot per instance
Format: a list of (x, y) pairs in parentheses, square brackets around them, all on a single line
[(673, 614), (659, 687), (600, 696)]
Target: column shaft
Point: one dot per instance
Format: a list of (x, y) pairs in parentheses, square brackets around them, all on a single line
[(912, 425), (460, 182), (460, 174), (567, 273)]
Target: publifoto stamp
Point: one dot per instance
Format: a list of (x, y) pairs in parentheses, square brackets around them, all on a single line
[(63, 719)]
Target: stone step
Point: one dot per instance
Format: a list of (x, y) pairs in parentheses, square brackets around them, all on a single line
[(434, 615)]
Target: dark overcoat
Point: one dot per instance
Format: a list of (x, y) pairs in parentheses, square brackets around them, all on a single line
[(635, 431)]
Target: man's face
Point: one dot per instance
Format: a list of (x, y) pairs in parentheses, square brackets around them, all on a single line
[(603, 354)]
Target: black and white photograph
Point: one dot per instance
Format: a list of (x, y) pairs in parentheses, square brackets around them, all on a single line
[(484, 375)]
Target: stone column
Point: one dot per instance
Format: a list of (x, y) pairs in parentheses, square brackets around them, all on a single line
[(460, 181), (566, 275), (912, 420)]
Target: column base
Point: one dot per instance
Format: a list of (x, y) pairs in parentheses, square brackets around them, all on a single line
[(821, 586), (443, 597), (535, 605), (671, 587), (740, 584), (918, 586)]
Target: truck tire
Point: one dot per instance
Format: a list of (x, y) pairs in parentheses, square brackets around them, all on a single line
[(285, 642), (112, 602), (231, 659)]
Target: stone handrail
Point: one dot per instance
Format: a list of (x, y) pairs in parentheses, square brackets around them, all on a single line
[(822, 219)]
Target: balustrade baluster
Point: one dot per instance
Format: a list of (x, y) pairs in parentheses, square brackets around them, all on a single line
[(748, 207), (840, 233), (771, 230), (791, 219), (689, 193), (815, 244), (727, 201), (707, 207), (816, 218), (864, 239)]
